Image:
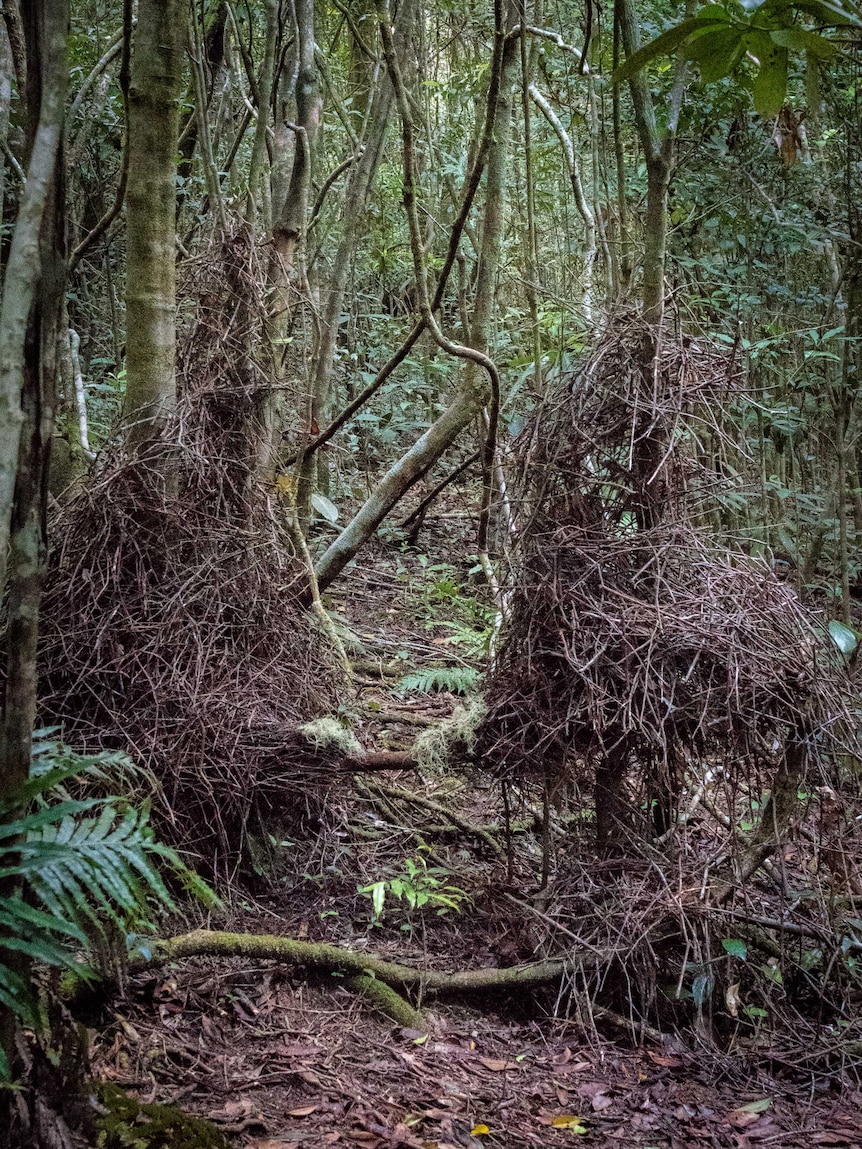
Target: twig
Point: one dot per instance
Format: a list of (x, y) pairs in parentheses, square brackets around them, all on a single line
[(438, 808)]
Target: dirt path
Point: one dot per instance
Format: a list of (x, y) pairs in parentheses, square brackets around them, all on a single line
[(277, 1059)]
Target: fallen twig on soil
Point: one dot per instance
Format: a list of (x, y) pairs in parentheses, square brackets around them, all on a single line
[(380, 760)]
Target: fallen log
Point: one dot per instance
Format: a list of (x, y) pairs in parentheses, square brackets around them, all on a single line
[(388, 1001)]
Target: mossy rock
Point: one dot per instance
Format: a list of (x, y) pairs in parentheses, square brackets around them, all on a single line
[(129, 1124)]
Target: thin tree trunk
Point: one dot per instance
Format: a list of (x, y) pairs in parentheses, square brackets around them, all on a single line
[(6, 72), (356, 197), (23, 268), (154, 91), (473, 393), (29, 339), (584, 210), (264, 102), (289, 227)]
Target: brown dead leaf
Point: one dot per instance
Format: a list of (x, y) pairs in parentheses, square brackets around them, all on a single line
[(209, 1028), (233, 1110), (591, 1088), (302, 1111), (665, 1062), (274, 1142), (130, 1031), (309, 1077), (745, 1115), (497, 1066), (601, 1101)]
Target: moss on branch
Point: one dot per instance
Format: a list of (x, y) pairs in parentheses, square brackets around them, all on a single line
[(333, 959)]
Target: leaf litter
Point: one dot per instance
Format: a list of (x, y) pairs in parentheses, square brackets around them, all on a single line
[(279, 1059)]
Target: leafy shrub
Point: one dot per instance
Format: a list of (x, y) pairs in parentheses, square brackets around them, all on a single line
[(418, 886)]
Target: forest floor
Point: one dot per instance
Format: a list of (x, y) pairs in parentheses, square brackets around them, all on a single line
[(277, 1057)]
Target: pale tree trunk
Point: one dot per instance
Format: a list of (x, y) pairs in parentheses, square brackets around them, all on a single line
[(287, 268), (584, 210), (154, 92), (6, 73), (473, 393), (264, 102), (23, 267), (33, 292), (658, 153)]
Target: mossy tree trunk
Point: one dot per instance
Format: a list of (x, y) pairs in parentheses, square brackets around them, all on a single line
[(154, 92)]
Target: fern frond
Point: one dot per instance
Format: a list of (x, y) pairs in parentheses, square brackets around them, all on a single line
[(89, 864)]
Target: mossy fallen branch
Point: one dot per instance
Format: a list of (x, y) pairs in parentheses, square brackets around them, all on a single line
[(385, 998), (333, 959)]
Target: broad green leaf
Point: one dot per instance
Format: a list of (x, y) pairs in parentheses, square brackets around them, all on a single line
[(712, 12), (830, 14), (716, 52), (755, 1011), (759, 1106), (844, 638), (665, 44), (701, 988), (325, 508), (735, 947), (801, 40), (770, 85)]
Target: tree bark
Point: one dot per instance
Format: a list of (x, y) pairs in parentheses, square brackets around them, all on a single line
[(355, 199), (30, 333), (23, 272), (154, 91), (289, 228), (320, 955)]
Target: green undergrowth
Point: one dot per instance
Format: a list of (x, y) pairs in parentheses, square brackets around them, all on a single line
[(130, 1124)]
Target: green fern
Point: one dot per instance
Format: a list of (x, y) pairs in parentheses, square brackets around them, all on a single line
[(455, 679), (83, 868)]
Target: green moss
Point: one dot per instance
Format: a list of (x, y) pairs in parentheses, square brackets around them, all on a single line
[(129, 1124)]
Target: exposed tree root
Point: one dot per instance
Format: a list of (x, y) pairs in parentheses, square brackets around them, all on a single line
[(404, 717), (376, 669), (388, 1001), (334, 959), (437, 808)]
